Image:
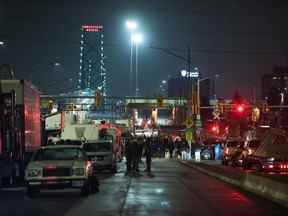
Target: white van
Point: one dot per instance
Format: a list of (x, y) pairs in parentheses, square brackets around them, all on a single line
[(102, 155)]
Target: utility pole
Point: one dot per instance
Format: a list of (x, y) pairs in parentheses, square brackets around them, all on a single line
[(190, 84)]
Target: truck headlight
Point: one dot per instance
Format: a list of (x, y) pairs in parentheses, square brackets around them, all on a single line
[(78, 171), (33, 172)]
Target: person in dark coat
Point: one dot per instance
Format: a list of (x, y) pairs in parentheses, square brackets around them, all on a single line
[(171, 147), (148, 154), (135, 155), (129, 154)]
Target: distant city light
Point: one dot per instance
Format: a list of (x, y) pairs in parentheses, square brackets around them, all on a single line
[(2, 43), (131, 25), (164, 81), (192, 74), (57, 64), (183, 73)]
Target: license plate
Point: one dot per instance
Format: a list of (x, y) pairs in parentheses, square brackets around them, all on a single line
[(51, 182), (77, 183)]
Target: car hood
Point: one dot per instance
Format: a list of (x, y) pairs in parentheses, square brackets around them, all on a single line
[(56, 163), (91, 154)]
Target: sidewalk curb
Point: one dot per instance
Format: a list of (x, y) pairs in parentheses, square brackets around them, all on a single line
[(264, 187)]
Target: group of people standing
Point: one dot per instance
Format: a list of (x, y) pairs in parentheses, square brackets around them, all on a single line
[(135, 148)]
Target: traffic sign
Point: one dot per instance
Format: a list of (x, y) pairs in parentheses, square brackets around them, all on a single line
[(198, 122), (189, 135), (189, 122)]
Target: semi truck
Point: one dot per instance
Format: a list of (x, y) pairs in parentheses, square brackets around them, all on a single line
[(272, 153), (20, 128)]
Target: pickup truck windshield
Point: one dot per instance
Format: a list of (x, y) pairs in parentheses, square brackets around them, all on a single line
[(98, 147), (58, 154)]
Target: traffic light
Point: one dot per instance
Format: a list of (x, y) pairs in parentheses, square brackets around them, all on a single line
[(98, 98), (160, 102), (240, 108), (215, 128), (50, 105), (221, 107)]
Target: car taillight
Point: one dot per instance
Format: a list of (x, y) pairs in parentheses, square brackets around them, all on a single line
[(270, 166), (283, 166)]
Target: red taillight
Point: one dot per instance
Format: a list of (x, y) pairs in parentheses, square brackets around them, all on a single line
[(271, 166)]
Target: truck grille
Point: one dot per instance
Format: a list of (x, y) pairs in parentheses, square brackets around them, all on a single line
[(57, 171)]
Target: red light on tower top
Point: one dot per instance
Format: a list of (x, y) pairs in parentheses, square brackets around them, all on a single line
[(92, 28)]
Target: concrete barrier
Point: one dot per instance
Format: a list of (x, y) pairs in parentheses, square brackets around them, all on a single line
[(267, 188)]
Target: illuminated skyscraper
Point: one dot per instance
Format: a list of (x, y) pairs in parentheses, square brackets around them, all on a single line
[(92, 73)]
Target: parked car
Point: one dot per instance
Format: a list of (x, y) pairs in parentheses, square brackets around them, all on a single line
[(60, 167), (232, 150), (102, 154), (207, 152)]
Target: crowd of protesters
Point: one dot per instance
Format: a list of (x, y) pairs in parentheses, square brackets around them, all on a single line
[(139, 147)]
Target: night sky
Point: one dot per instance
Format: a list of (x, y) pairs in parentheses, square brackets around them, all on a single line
[(241, 40)]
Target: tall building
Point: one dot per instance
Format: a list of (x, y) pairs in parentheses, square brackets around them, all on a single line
[(92, 74), (6, 72), (275, 86)]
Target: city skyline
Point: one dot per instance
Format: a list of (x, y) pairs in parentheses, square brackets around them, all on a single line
[(242, 41)]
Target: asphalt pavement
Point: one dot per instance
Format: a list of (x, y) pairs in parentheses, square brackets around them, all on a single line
[(174, 189)]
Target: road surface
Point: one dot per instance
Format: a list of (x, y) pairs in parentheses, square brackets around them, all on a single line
[(173, 190)]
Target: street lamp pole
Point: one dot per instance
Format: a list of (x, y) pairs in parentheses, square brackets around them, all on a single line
[(131, 66), (131, 26), (137, 39), (136, 70)]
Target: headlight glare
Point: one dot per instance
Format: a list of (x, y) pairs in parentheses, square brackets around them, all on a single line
[(33, 172)]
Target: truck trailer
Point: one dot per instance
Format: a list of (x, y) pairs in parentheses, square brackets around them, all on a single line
[(20, 127)]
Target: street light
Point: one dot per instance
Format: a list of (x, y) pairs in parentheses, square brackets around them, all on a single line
[(131, 26), (136, 39)]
